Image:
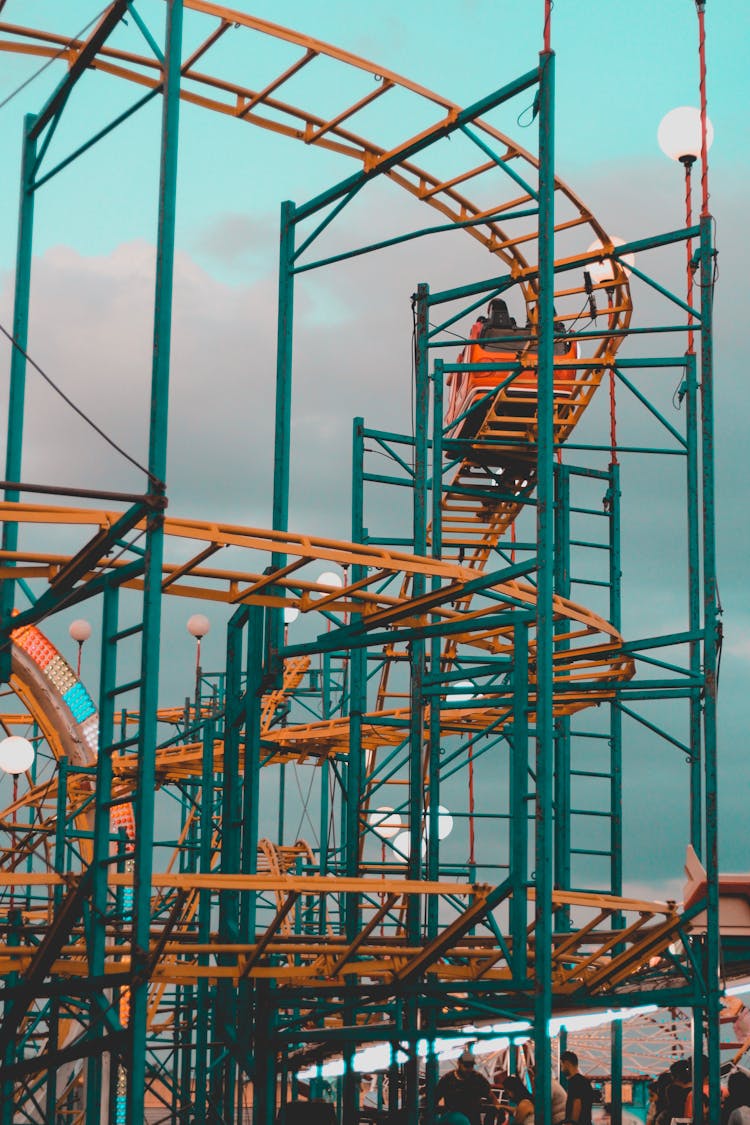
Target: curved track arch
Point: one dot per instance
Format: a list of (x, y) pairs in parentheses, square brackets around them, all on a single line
[(507, 176)]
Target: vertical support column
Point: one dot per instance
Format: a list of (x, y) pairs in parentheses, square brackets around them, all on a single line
[(231, 852), (282, 434), (206, 822), (615, 768), (418, 646), (712, 627), (519, 802), (543, 858), (694, 603), (99, 893), (417, 698), (353, 796), (157, 463), (17, 395), (247, 1017), (562, 782), (433, 747), (432, 1069)]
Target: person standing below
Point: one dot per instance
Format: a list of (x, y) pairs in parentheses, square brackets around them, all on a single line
[(580, 1091), (462, 1090), (523, 1114), (559, 1098), (738, 1100)]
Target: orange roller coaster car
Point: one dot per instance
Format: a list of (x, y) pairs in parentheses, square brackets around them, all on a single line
[(496, 338)]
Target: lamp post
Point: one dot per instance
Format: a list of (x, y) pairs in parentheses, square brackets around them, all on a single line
[(16, 757), (680, 137), (198, 626), (80, 631)]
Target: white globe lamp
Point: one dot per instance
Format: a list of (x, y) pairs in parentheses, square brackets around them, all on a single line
[(16, 755), (461, 692), (401, 844), (604, 272), (80, 630), (198, 626), (331, 578), (679, 134), (291, 613), (445, 823), (385, 822)]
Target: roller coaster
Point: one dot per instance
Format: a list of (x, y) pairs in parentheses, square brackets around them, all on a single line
[(168, 945)]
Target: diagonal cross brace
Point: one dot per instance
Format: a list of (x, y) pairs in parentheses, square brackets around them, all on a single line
[(85, 57), (69, 912), (457, 929)]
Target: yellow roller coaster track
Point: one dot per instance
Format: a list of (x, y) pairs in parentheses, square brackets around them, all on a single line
[(593, 657)]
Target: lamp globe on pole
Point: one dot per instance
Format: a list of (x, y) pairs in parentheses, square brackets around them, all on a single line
[(16, 755), (198, 626), (80, 631), (679, 134)]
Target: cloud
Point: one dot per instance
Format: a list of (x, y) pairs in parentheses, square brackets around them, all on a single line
[(91, 329), (237, 240)]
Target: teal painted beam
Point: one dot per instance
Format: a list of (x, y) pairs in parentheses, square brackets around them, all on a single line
[(543, 834), (711, 647), (283, 418), (398, 239), (17, 394), (152, 597)]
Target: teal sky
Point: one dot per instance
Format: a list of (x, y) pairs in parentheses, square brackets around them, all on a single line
[(621, 65)]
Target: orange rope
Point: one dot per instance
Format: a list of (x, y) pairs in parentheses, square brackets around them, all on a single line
[(689, 247), (701, 6), (612, 404)]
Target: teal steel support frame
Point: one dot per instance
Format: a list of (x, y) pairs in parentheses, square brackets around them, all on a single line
[(562, 781), (694, 601), (355, 775), (152, 597), (102, 837), (283, 423), (711, 647), (544, 836), (17, 394), (201, 1109)]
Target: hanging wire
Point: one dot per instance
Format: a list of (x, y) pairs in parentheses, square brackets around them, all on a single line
[(69, 402), (54, 58)]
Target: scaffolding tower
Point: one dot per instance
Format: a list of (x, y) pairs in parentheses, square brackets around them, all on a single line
[(469, 653)]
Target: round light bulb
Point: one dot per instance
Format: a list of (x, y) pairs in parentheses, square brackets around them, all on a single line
[(679, 134), (79, 630), (602, 272), (16, 754), (445, 822), (198, 625), (330, 578), (461, 692), (385, 822), (401, 844), (291, 613)]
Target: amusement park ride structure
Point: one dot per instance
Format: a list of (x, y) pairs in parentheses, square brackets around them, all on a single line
[(453, 660)]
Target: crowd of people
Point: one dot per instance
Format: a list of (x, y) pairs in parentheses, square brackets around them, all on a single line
[(462, 1095), (671, 1096), (465, 1097)]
